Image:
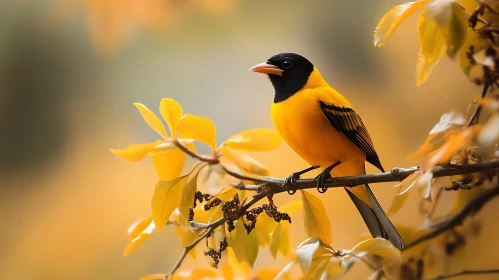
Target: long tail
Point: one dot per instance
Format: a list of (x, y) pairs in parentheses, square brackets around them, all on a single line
[(376, 220)]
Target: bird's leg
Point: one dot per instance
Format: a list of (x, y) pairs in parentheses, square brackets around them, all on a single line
[(291, 179), (323, 176)]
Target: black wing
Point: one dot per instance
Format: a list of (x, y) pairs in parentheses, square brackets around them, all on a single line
[(346, 121)]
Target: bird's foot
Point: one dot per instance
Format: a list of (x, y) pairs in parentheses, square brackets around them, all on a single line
[(290, 180), (295, 176), (323, 176)]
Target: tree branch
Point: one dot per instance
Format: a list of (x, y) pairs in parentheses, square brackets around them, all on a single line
[(465, 272), (470, 208)]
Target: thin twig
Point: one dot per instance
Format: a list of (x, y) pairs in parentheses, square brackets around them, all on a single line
[(470, 208), (210, 160), (476, 115), (465, 272), (211, 227), (191, 246)]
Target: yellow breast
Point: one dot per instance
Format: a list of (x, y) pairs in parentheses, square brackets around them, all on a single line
[(300, 121)]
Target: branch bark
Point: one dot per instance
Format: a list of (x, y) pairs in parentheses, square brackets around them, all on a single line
[(470, 208)]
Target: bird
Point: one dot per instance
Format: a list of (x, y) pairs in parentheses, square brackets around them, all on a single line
[(322, 127)]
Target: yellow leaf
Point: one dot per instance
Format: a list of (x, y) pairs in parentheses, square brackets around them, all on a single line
[(454, 144), (198, 128), (138, 227), (488, 138), (171, 112), (315, 218), (139, 239), (186, 238), (241, 268), (245, 245), (424, 184), (255, 140), (281, 241), (187, 200), (285, 273), (449, 124), (203, 273), (335, 268), (135, 152), (392, 20), (402, 193), (469, 65), (432, 47), (265, 273), (166, 198), (453, 22), (157, 276), (152, 120), (313, 256), (378, 246), (169, 164), (245, 162), (265, 226), (291, 207), (226, 269)]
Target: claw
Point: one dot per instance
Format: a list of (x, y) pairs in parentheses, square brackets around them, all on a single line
[(295, 176), (323, 176)]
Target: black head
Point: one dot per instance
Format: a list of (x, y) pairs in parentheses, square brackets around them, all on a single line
[(288, 73)]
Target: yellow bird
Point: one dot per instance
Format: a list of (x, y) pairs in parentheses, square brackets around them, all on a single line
[(321, 126)]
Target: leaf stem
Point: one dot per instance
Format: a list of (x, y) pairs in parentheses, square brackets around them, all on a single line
[(476, 115)]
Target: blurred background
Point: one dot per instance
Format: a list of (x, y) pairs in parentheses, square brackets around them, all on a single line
[(71, 69)]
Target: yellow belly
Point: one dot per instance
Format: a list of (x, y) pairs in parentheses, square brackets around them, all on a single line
[(301, 123)]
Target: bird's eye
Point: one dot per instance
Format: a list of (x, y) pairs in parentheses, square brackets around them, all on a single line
[(287, 64)]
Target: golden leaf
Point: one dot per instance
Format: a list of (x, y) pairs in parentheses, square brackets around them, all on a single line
[(140, 237), (203, 273), (315, 218), (285, 273), (166, 198), (152, 120), (245, 245), (198, 128), (432, 47), (138, 227), (453, 22), (488, 138), (245, 162), (450, 123), (186, 238), (171, 112), (392, 20), (454, 144), (281, 241), (264, 227), (135, 152), (157, 276), (378, 246), (168, 164), (187, 200), (313, 256), (291, 207), (402, 193), (255, 140)]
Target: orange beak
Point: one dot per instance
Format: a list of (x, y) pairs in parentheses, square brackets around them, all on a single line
[(265, 68)]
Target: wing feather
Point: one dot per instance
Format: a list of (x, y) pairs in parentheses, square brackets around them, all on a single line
[(348, 122)]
